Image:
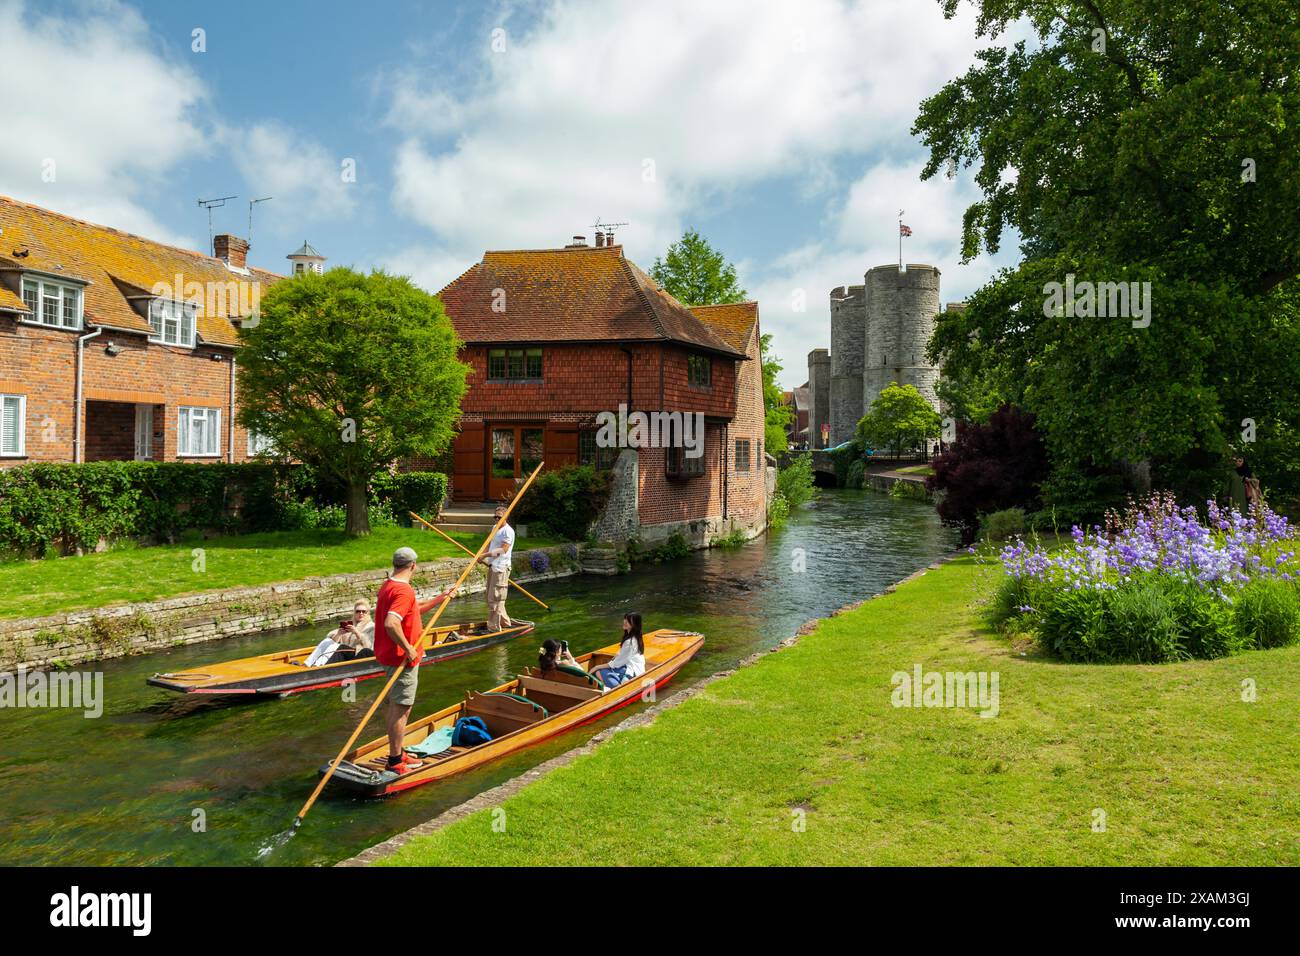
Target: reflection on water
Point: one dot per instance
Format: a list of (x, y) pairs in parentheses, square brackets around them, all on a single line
[(128, 788)]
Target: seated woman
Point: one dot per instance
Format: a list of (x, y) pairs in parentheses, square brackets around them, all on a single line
[(350, 640), (629, 662), (553, 654)]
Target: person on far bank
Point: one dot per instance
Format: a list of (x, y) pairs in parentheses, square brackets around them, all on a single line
[(629, 662), (397, 616), (497, 559)]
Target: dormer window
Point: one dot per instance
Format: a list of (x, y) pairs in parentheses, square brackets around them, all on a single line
[(56, 304), (172, 322)]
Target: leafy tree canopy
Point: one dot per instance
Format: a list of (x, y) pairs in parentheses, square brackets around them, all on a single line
[(776, 414), (900, 418), (349, 373), (1137, 141), (697, 274)]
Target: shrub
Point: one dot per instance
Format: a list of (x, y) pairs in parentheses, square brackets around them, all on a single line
[(733, 539), (1143, 623), (854, 477), (991, 467), (908, 491), (794, 482), (566, 501), (1268, 613), (539, 561), (844, 458), (1073, 627), (1206, 621), (1004, 524), (405, 491), (675, 547)]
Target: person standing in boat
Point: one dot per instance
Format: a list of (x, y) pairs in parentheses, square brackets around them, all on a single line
[(497, 559), (629, 662), (397, 614)]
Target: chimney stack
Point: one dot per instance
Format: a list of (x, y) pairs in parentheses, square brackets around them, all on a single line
[(231, 249), (579, 242), (600, 239)]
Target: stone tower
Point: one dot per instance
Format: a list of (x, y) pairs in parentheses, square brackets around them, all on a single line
[(819, 395), (848, 352), (901, 308)]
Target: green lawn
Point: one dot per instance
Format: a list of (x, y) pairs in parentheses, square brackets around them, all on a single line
[(922, 470), (1185, 771), (127, 573)]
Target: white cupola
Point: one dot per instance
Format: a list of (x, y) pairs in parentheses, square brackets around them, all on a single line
[(306, 259)]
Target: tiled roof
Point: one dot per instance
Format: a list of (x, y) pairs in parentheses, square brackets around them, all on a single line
[(733, 321), (116, 265), (582, 294)]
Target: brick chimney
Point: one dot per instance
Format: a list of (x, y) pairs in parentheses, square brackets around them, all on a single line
[(231, 249), (600, 239)]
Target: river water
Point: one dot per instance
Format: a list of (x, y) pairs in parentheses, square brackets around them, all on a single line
[(163, 780)]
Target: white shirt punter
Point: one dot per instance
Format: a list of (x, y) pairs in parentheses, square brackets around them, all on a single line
[(506, 536)]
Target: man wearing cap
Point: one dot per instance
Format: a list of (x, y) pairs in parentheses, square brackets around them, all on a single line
[(397, 631), (497, 558)]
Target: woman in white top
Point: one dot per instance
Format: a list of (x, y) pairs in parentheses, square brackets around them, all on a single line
[(629, 662)]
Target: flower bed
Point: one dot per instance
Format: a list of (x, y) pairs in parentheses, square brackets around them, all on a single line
[(1157, 583)]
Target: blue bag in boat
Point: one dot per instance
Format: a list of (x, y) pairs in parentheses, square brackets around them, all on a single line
[(470, 732)]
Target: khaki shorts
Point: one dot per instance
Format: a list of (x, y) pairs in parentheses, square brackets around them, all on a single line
[(402, 693)]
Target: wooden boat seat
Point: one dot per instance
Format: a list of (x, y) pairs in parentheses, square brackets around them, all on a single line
[(555, 695), (503, 715)]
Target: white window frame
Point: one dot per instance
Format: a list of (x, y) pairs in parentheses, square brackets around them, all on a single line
[(185, 321), (58, 292), (185, 416), (21, 451)]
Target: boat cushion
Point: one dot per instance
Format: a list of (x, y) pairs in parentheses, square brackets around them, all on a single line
[(435, 743), (577, 672), (519, 697)]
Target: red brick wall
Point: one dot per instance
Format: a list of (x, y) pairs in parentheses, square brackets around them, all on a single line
[(40, 363), (662, 499), (747, 491)]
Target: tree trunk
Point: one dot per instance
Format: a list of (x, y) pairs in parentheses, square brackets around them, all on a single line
[(358, 517)]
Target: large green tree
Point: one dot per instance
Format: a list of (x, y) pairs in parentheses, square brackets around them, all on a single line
[(777, 415), (899, 419), (697, 274), (349, 373), (1135, 141)]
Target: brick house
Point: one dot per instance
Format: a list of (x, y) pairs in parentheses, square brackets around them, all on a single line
[(113, 347), (556, 336)]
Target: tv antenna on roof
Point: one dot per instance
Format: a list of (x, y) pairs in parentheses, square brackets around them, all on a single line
[(209, 205), (607, 228), (251, 204)]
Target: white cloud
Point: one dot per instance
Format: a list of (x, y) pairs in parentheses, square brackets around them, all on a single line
[(724, 98), (92, 94), (296, 171), (719, 96)]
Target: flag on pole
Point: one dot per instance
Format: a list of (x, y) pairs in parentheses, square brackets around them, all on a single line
[(904, 230)]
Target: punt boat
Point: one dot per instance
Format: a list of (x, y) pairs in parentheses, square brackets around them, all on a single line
[(518, 714), (284, 672)]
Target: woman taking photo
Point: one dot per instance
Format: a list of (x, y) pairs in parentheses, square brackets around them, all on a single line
[(629, 662)]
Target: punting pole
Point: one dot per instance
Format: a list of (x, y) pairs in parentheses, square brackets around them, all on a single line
[(513, 582), (334, 764)]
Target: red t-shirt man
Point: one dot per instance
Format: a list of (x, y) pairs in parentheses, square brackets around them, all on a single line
[(396, 597)]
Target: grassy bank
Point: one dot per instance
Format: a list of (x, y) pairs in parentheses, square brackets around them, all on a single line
[(128, 573), (1185, 771)]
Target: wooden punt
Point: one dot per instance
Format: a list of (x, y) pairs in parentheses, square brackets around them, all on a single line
[(283, 673), (540, 708)]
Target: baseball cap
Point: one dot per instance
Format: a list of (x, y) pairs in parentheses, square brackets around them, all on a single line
[(403, 557)]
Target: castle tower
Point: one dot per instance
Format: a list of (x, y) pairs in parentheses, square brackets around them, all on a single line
[(848, 349), (819, 395), (306, 259), (901, 308)]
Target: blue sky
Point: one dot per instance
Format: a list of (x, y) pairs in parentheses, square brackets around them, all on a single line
[(779, 130)]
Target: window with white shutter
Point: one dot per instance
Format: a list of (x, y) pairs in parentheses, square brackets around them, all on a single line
[(198, 432), (13, 425)]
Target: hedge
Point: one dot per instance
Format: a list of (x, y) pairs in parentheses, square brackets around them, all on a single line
[(62, 508), (565, 502)]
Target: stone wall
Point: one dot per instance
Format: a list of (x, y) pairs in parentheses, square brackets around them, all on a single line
[(80, 636), (819, 395), (621, 516)]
